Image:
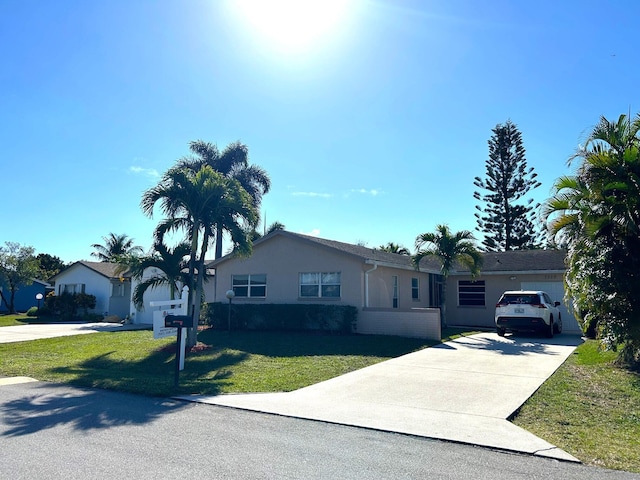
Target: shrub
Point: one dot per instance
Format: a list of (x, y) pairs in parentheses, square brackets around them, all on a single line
[(290, 317), (67, 304), (32, 312)]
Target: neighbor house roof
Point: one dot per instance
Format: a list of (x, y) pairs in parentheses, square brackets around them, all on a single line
[(519, 261), (106, 269), (366, 254)]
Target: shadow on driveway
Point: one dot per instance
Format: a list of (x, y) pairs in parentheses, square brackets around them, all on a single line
[(514, 344)]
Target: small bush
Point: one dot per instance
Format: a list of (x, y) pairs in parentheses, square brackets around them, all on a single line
[(32, 312), (288, 317)]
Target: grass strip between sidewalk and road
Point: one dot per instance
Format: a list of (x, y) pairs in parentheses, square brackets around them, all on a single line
[(590, 408)]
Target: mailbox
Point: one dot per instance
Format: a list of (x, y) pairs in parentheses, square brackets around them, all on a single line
[(178, 321)]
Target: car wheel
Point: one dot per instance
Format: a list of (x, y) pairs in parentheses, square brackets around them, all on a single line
[(559, 325), (550, 328), (501, 331)]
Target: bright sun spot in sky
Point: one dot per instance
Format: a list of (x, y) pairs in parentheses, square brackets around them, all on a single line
[(293, 25)]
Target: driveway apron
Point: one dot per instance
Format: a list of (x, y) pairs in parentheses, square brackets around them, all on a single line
[(463, 390)]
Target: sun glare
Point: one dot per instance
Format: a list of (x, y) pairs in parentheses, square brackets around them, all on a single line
[(293, 25)]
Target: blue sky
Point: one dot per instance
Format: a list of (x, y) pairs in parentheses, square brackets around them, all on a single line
[(372, 130)]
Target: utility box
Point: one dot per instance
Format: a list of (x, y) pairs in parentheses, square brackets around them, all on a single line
[(178, 321)]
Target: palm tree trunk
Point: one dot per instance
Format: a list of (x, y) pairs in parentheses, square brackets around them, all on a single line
[(218, 252), (443, 307), (193, 332)]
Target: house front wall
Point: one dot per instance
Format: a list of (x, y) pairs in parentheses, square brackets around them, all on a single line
[(282, 260), (494, 286), (25, 296), (112, 296), (382, 280)]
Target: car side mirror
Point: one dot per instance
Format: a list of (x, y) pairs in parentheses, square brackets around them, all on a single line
[(557, 304)]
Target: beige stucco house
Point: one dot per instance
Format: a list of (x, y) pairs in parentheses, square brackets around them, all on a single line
[(471, 302), (392, 297)]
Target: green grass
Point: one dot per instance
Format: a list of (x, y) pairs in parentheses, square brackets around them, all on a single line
[(11, 320), (590, 408), (22, 319), (234, 362)]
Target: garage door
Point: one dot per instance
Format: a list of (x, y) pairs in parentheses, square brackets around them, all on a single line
[(556, 292)]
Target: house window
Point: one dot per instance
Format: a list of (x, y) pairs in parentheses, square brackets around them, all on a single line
[(71, 288), (415, 289), (470, 293), (395, 291), (250, 286), (320, 284), (117, 290)]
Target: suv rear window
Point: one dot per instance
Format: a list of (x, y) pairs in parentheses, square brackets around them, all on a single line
[(519, 299)]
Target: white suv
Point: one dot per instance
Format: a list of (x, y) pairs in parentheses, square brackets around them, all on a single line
[(527, 310)]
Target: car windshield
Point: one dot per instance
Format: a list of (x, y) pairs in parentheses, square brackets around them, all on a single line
[(519, 299)]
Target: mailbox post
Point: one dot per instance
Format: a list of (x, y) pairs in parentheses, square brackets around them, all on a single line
[(179, 322)]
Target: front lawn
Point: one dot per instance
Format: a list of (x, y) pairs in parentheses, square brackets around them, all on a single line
[(589, 408), (233, 362), (11, 320)]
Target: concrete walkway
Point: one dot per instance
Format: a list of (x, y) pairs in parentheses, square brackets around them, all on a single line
[(461, 391), (23, 333)]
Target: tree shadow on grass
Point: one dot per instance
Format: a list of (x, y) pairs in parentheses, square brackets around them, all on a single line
[(297, 344), (155, 373), (52, 405)]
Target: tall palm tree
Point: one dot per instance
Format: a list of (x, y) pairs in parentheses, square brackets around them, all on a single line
[(114, 247), (233, 162), (197, 202), (450, 249), (596, 213), (172, 266)]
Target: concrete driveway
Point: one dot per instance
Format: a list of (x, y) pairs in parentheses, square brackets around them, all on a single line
[(23, 333), (463, 391)]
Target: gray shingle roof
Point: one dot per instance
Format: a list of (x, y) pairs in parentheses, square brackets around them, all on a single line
[(105, 269), (520, 261), (364, 253)]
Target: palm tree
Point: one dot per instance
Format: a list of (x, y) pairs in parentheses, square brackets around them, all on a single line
[(275, 226), (233, 162), (597, 214), (450, 249), (197, 202), (114, 247), (394, 248), (172, 265)]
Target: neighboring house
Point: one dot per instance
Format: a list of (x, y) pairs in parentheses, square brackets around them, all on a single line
[(392, 297), (472, 302), (161, 293), (25, 296), (112, 291)]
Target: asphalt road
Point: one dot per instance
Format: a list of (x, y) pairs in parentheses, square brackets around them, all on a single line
[(50, 431)]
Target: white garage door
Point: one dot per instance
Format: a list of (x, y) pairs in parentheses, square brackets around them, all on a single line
[(556, 292)]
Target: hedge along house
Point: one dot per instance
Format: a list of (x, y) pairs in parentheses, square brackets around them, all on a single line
[(391, 296), (112, 291), (471, 302)]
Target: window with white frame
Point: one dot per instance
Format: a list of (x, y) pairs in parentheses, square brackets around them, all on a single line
[(320, 284), (71, 288), (117, 289), (415, 288), (470, 293), (250, 286)]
